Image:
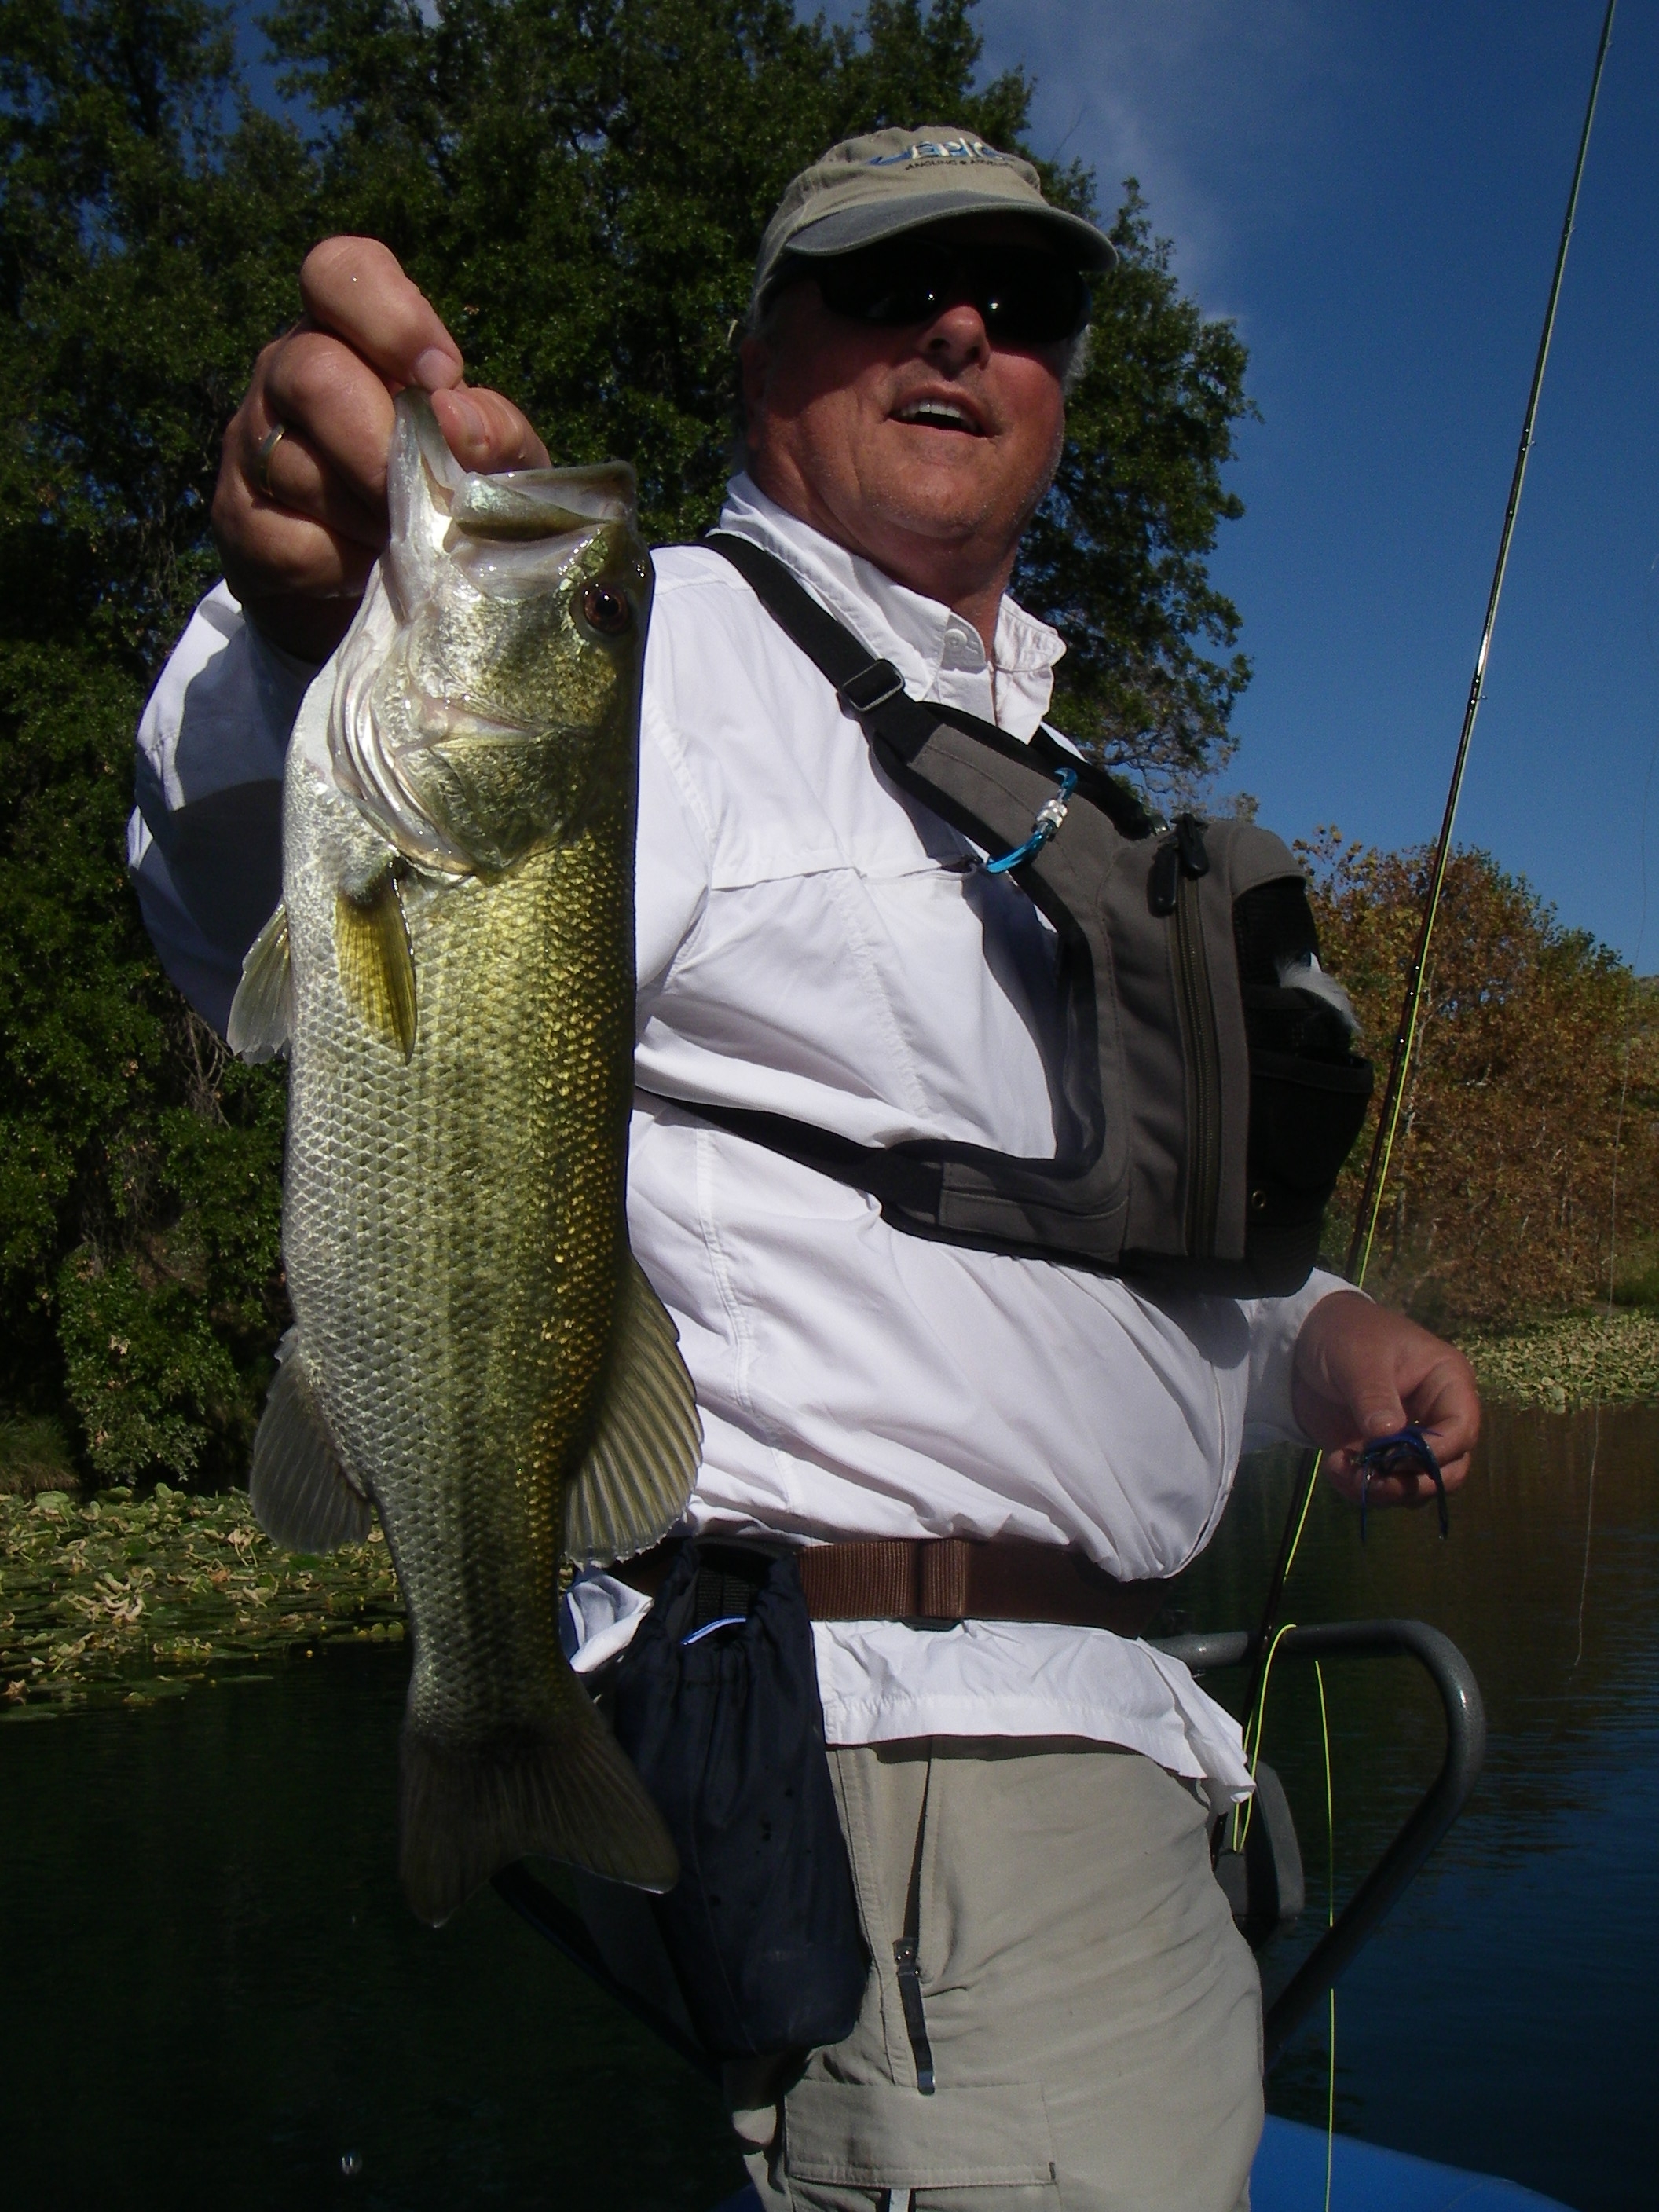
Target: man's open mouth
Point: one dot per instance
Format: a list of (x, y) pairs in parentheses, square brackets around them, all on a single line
[(939, 415)]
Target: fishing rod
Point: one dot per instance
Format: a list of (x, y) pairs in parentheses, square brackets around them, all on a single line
[(1369, 1210)]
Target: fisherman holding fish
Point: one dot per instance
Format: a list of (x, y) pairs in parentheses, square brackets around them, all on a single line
[(962, 1414)]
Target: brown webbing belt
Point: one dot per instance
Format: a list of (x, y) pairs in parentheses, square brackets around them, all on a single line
[(950, 1579)]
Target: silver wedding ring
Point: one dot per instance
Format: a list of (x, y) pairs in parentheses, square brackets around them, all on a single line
[(267, 447)]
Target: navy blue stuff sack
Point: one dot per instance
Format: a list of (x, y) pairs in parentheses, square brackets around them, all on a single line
[(716, 1703)]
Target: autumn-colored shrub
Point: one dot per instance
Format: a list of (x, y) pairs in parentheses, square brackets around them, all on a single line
[(1535, 1087)]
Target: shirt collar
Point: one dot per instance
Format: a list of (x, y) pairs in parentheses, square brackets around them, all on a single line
[(938, 651)]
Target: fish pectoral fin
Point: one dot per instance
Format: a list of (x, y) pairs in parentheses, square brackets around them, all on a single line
[(635, 1481), (376, 968), (262, 1013), (565, 1792), (301, 1495)]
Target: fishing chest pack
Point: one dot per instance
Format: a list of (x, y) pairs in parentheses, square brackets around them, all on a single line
[(1209, 1092)]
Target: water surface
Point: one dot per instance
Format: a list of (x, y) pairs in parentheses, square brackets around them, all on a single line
[(218, 1997)]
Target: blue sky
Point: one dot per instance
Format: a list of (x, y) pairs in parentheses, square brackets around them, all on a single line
[(1374, 191)]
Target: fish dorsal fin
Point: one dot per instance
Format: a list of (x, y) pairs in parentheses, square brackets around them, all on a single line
[(377, 968), (636, 1482), (262, 1013), (302, 1498)]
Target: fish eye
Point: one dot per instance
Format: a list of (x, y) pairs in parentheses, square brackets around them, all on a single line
[(606, 611)]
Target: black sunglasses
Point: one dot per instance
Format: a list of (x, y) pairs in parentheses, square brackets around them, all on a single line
[(1023, 298)]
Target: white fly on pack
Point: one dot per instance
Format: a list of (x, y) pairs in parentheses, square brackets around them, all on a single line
[(1305, 974)]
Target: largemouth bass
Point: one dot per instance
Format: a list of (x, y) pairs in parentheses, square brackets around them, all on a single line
[(475, 1350)]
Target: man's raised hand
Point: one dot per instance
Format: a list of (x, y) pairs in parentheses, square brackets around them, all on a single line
[(301, 517)]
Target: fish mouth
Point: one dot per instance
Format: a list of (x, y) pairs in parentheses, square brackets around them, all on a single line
[(947, 411)]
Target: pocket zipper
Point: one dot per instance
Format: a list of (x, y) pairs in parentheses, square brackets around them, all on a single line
[(1180, 864)]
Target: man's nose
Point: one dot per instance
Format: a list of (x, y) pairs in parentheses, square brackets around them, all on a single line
[(956, 337)]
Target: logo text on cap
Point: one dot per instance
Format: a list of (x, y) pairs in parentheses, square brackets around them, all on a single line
[(941, 149)]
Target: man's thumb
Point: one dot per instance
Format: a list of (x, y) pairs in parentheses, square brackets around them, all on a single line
[(1379, 1414)]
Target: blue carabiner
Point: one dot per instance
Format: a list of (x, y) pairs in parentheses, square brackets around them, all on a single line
[(1049, 816)]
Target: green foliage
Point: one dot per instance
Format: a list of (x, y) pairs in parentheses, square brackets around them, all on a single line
[(34, 1455), (138, 1169), (138, 1261), (1116, 557), (579, 185), (1597, 1358), (124, 1597)]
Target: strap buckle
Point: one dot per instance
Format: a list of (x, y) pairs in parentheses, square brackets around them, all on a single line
[(871, 688)]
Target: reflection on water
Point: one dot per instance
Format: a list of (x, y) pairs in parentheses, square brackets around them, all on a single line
[(218, 1996)]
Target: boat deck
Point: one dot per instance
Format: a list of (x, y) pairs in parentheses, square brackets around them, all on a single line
[(1289, 2176)]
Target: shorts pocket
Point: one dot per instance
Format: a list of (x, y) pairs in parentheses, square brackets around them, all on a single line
[(873, 2135)]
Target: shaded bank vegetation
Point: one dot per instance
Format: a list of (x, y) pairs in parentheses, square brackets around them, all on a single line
[(124, 1597)]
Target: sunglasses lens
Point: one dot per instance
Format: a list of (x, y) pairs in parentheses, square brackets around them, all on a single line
[(1024, 299), (1035, 304)]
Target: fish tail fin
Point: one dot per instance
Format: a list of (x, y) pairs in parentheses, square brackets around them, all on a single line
[(561, 1791)]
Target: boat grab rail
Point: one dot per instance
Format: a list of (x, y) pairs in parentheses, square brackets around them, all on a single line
[(1438, 1807)]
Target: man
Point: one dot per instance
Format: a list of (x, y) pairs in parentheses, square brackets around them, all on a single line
[(1026, 1802)]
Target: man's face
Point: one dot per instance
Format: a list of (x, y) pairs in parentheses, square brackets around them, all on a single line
[(924, 449)]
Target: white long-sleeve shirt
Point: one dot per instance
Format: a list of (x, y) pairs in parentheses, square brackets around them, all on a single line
[(810, 942)]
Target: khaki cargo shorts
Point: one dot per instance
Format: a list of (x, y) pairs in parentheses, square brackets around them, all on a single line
[(1092, 2017)]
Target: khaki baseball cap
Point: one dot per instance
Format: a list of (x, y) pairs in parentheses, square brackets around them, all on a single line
[(891, 181)]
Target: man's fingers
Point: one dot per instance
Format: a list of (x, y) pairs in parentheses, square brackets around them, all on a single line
[(287, 473), (356, 287), (337, 405), (268, 550), (1361, 1373), (486, 432), (1413, 1488)]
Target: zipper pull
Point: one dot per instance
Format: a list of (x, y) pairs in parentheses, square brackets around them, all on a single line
[(1189, 841), (1181, 853), (1163, 881)]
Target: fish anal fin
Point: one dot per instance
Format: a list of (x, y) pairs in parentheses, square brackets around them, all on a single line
[(262, 1013), (376, 968), (561, 1791), (301, 1495), (638, 1476)]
